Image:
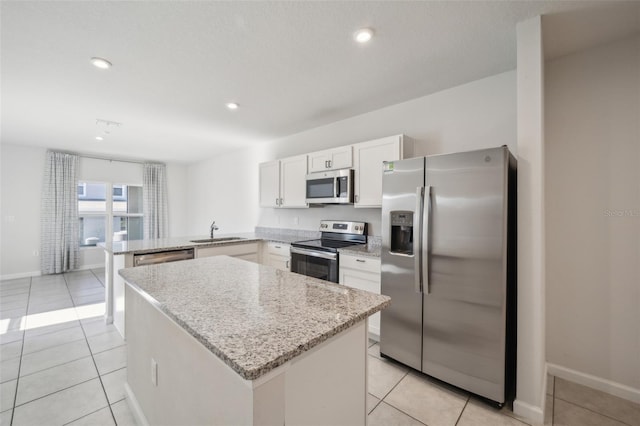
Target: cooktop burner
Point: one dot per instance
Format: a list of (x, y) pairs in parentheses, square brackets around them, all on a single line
[(324, 244), (336, 235)]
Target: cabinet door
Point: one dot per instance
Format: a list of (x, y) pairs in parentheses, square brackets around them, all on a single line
[(318, 161), (341, 158), (368, 158), (280, 262), (292, 181), (331, 159), (270, 184), (363, 280)]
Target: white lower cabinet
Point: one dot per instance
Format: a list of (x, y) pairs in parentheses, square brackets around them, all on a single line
[(248, 251), (363, 273), (277, 255)]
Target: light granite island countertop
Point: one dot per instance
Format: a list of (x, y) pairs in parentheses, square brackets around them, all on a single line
[(264, 345)]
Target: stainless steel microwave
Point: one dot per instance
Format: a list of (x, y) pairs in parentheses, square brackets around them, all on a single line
[(331, 187)]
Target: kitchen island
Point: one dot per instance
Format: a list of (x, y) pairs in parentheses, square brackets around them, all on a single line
[(221, 340)]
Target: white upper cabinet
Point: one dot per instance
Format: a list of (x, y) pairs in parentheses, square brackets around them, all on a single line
[(368, 158), (270, 184), (283, 184), (331, 159), (293, 185)]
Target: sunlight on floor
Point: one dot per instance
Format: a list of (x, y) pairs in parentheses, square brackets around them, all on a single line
[(29, 322)]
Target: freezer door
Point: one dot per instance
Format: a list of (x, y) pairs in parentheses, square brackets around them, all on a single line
[(464, 304), (401, 322)]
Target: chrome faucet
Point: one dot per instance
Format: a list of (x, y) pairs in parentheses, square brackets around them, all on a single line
[(213, 228)]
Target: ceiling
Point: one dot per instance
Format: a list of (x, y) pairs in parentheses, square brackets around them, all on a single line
[(290, 65)]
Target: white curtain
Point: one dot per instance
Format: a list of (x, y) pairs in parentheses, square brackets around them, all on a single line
[(154, 200), (59, 246)]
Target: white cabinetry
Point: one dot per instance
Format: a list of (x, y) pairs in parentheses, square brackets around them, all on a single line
[(363, 273), (331, 159), (283, 184), (120, 261), (278, 255), (247, 251), (368, 158), (270, 184)]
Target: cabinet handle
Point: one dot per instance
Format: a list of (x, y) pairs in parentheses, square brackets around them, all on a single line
[(281, 201), (360, 260), (277, 247), (357, 198), (287, 264), (276, 201), (326, 164), (329, 163)]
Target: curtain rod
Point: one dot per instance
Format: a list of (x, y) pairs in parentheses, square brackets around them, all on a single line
[(98, 157), (120, 160)]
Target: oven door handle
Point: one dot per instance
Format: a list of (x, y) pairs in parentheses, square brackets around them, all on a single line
[(305, 252)]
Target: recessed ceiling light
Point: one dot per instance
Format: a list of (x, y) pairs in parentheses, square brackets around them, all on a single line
[(232, 105), (100, 63), (99, 138), (363, 35)]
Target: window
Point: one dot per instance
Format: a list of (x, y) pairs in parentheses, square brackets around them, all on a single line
[(118, 191), (127, 213), (124, 211)]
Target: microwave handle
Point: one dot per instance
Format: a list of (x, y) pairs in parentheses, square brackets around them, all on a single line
[(336, 187)]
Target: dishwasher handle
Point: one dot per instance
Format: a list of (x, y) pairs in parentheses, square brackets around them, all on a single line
[(162, 257)]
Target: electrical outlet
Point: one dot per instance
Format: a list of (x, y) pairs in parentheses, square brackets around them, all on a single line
[(154, 372)]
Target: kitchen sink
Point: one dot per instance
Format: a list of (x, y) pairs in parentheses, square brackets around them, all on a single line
[(217, 240)]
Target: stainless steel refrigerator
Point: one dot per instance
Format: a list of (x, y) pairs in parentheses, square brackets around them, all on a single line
[(448, 263)]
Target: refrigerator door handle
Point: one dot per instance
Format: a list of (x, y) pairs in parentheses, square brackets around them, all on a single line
[(426, 239), (417, 238)]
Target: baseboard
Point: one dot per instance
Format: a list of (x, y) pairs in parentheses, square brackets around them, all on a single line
[(39, 273), (532, 413), (94, 266), (528, 412), (20, 275), (136, 410), (594, 382)]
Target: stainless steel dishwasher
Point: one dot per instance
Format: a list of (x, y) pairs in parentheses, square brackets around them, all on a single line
[(162, 257)]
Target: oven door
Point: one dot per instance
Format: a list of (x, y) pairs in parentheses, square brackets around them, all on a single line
[(315, 264)]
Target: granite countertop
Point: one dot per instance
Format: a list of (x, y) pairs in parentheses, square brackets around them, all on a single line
[(177, 243), (371, 249), (252, 317)]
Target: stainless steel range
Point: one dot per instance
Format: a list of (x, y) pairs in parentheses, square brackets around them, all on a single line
[(319, 258)]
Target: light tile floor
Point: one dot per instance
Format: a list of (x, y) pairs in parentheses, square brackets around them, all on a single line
[(62, 365)]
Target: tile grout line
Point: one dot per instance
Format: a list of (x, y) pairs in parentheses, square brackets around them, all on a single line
[(462, 411), (592, 411), (15, 395), (93, 359), (54, 392), (86, 415), (55, 366), (393, 406)]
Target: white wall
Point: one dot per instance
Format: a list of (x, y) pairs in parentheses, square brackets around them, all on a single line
[(593, 215), (225, 189), (21, 185), (531, 368), (475, 115)]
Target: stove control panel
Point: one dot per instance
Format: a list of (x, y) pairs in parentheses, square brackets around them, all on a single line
[(343, 227)]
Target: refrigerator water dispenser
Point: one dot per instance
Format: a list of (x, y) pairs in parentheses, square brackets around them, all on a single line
[(402, 232)]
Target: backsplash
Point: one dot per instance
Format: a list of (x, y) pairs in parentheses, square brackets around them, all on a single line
[(299, 234)]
